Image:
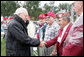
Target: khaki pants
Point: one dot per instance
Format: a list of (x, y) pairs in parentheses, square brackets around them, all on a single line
[(43, 51)]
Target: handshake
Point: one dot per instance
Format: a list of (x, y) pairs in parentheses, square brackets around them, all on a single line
[(42, 44)]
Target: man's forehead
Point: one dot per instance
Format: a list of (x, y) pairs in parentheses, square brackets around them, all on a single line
[(47, 16), (60, 18), (25, 11), (42, 19), (76, 2)]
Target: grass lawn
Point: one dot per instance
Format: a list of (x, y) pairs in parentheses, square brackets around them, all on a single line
[(3, 47)]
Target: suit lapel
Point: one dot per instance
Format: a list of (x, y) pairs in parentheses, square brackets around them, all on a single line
[(66, 33)]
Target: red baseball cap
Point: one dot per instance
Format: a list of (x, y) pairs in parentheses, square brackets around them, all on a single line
[(2, 21), (5, 18), (11, 18), (50, 14), (42, 16), (59, 15)]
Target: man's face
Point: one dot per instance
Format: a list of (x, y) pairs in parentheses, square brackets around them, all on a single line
[(42, 21), (11, 20), (28, 18), (61, 22), (24, 15), (77, 7), (49, 19)]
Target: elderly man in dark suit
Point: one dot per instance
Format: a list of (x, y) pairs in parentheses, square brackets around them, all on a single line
[(17, 40)]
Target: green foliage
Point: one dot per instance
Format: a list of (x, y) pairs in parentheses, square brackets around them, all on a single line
[(35, 53), (8, 7), (46, 7), (33, 9), (3, 47), (64, 6)]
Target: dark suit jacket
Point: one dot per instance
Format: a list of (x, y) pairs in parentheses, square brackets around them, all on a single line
[(17, 40)]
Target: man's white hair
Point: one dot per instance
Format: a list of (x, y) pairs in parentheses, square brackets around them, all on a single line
[(20, 10)]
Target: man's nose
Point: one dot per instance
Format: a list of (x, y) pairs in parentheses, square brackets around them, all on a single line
[(59, 23)]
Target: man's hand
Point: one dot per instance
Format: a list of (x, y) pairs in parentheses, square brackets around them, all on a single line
[(54, 52), (42, 44)]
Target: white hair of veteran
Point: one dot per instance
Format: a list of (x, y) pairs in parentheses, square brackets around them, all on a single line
[(20, 10)]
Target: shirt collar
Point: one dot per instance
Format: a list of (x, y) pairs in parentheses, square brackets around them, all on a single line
[(79, 17), (66, 26), (81, 13), (52, 24)]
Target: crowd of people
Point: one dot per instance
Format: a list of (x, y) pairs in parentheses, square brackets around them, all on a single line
[(54, 35), (4, 24)]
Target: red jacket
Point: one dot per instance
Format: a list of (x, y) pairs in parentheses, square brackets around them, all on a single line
[(74, 42), (54, 40)]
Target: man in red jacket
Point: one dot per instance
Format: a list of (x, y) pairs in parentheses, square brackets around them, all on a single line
[(65, 25), (73, 45)]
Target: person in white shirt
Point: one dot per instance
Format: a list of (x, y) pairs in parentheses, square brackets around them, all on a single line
[(51, 31), (31, 32)]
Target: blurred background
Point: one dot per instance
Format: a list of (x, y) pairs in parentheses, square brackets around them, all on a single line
[(35, 7)]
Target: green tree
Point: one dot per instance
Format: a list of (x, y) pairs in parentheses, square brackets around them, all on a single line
[(33, 9), (8, 7), (64, 6), (53, 8), (50, 7), (46, 8)]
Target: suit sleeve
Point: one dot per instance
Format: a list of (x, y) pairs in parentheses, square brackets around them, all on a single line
[(51, 42), (18, 34)]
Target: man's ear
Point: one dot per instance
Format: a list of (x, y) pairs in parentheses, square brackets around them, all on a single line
[(66, 21)]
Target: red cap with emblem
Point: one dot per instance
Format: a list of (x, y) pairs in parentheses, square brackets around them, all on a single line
[(11, 17), (42, 16), (2, 21), (5, 18), (50, 14)]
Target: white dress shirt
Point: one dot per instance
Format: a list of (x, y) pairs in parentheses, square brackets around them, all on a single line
[(64, 29)]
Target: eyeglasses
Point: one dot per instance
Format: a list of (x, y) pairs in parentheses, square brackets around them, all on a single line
[(49, 18), (26, 15)]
